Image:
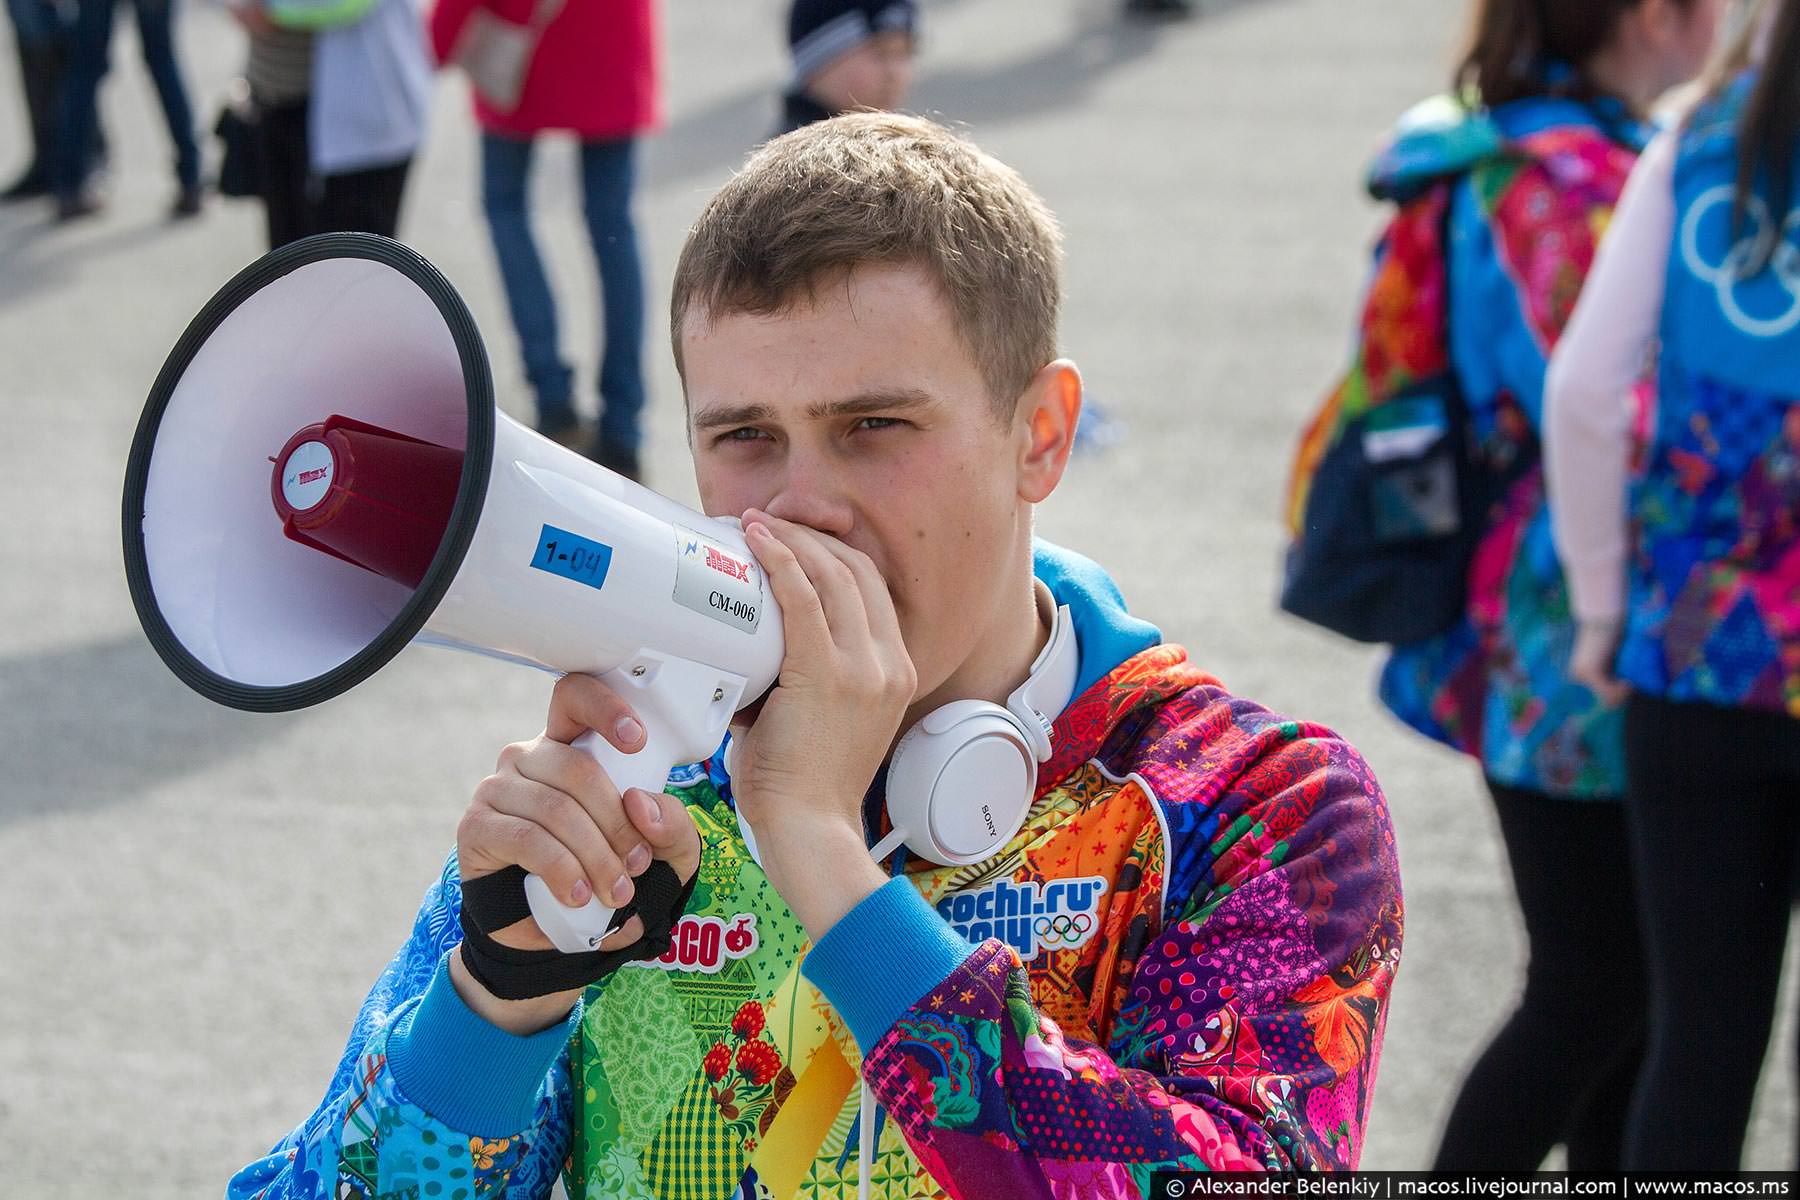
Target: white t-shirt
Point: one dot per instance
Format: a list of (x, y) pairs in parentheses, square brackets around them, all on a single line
[(1588, 403)]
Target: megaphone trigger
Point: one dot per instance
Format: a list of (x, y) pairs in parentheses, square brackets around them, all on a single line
[(570, 930)]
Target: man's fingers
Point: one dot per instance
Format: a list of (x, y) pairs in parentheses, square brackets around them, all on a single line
[(882, 619), (802, 616), (838, 589), (579, 775), (668, 827), (506, 838), (581, 702), (564, 818)]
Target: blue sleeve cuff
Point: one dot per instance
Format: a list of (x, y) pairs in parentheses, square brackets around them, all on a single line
[(882, 957), (473, 1076)]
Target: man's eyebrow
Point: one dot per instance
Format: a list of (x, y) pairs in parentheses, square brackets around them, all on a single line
[(861, 405), (732, 415)]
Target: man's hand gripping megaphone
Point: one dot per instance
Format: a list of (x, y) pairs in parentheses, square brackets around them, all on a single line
[(803, 758)]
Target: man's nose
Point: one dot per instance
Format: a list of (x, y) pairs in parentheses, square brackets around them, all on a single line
[(810, 494)]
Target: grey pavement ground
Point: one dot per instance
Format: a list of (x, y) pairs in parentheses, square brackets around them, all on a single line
[(193, 900)]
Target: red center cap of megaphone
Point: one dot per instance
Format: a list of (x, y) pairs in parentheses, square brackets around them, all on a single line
[(368, 495)]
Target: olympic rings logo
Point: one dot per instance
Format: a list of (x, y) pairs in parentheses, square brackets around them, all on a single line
[(1784, 260), (1061, 929)]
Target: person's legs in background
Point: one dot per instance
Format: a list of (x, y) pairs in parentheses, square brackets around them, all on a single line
[(1580, 1017), (1596, 1131), (284, 172), (89, 51), (366, 201), (156, 33), (39, 34), (505, 196), (608, 175), (1712, 812)]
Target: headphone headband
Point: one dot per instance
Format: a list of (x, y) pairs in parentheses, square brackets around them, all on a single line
[(1050, 685)]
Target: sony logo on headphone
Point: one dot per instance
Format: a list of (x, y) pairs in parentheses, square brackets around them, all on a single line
[(987, 815)]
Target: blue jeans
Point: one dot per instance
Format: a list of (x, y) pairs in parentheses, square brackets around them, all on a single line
[(89, 51), (607, 175), (36, 24)]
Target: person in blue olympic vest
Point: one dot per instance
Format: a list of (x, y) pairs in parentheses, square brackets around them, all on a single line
[(1501, 190), (1686, 581)]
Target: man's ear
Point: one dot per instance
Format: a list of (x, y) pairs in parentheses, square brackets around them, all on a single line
[(1044, 423)]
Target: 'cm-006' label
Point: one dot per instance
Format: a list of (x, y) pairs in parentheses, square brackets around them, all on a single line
[(724, 584)]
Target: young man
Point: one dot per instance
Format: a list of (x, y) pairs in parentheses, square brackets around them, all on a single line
[(1183, 957)]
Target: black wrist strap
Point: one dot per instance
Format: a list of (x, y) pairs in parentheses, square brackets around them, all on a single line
[(492, 902)]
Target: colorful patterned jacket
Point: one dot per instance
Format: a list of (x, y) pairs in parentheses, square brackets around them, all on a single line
[(1530, 186), (1183, 960), (1714, 609)]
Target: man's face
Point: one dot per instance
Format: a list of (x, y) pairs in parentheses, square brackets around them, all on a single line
[(863, 415)]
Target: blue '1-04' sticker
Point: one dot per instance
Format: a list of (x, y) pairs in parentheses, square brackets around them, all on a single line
[(572, 556)]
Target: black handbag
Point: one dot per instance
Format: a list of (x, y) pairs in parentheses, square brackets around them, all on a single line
[(1391, 523), (240, 164)]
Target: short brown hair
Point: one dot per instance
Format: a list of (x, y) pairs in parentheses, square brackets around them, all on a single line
[(868, 188)]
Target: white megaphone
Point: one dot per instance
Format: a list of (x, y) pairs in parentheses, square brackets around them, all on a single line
[(320, 476)]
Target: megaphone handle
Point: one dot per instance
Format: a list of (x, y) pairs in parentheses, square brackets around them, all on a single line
[(684, 707), (578, 930)]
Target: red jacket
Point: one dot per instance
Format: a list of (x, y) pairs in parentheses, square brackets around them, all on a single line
[(595, 71)]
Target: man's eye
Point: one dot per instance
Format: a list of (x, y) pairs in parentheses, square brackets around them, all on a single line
[(879, 422), (746, 434)]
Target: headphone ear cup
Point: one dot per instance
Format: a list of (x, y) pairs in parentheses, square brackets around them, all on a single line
[(960, 782), (908, 798)]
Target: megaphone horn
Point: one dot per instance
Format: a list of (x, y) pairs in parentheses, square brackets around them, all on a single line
[(320, 476)]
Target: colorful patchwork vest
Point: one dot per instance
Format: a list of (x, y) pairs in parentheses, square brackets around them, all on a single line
[(1530, 186), (751, 1089), (1714, 610)]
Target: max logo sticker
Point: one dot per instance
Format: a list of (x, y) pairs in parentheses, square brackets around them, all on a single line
[(720, 561), (706, 944), (1030, 917), (716, 581)]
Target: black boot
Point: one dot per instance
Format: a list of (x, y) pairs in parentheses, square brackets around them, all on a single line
[(1159, 10), (40, 70)]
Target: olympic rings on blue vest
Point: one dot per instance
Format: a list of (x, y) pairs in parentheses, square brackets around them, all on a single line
[(1724, 277)]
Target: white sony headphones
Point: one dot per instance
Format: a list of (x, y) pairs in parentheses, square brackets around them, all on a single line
[(962, 779)]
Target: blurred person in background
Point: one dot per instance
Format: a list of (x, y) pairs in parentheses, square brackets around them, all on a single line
[(594, 73), (41, 34), (848, 55), (1687, 586), (342, 90), (1519, 171), (90, 49)]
